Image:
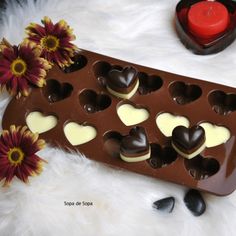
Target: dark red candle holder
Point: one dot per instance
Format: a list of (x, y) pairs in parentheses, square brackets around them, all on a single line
[(204, 46)]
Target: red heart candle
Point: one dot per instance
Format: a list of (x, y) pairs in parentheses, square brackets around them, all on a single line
[(207, 19)]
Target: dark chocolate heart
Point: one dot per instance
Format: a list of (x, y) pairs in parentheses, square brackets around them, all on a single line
[(195, 202), (136, 142), (148, 83), (161, 157), (55, 91), (202, 167), (187, 139), (184, 93), (221, 102), (122, 78), (93, 102)]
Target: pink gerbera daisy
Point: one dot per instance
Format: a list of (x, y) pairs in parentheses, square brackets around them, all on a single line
[(54, 40)]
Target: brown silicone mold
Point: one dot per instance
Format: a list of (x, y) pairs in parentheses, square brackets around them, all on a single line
[(78, 94)]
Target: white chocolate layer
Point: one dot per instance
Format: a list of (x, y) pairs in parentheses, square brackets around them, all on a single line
[(131, 115), (124, 95), (166, 122), (78, 134), (215, 135), (38, 123), (136, 159), (190, 155)]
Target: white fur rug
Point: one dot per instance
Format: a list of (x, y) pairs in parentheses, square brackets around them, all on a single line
[(140, 31)]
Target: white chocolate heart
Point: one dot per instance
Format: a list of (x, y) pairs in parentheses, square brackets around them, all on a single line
[(215, 135), (166, 122), (38, 123), (131, 115), (78, 134)]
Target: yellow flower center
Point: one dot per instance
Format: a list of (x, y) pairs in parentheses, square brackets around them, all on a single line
[(50, 43), (15, 156), (18, 67)]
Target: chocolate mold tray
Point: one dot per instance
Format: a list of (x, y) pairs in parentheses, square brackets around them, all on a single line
[(76, 111)]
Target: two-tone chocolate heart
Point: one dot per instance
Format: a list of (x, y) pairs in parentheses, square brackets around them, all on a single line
[(135, 146), (188, 142), (122, 83)]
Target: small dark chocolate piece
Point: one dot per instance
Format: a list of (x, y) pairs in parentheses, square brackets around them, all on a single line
[(194, 202), (136, 143), (165, 204), (188, 140), (122, 81)]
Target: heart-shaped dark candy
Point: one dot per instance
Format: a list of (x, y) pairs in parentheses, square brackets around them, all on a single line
[(55, 91), (123, 80), (135, 143), (188, 140)]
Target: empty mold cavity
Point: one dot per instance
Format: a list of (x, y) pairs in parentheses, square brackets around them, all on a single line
[(101, 69), (221, 102), (112, 142), (161, 157), (93, 102), (183, 93), (80, 62), (201, 167), (55, 91), (148, 83), (132, 114), (39, 122)]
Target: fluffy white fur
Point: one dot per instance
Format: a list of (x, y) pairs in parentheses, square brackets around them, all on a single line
[(142, 32)]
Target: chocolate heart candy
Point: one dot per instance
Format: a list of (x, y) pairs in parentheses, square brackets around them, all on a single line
[(136, 143), (188, 140), (122, 81)]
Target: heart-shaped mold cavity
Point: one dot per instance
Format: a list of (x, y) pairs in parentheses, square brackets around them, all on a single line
[(55, 91), (101, 69), (184, 93), (161, 157), (202, 167), (80, 62), (222, 103), (39, 123), (148, 83), (112, 142), (131, 114), (93, 102), (205, 45)]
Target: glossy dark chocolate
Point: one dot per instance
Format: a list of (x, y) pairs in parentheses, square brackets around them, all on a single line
[(122, 81), (204, 46), (90, 103), (188, 140), (135, 144)]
